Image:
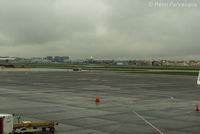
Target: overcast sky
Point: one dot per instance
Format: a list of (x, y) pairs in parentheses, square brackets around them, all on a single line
[(129, 29)]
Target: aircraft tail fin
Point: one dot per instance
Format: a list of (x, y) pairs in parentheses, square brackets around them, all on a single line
[(198, 79)]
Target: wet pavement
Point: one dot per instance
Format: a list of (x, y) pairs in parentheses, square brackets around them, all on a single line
[(129, 103)]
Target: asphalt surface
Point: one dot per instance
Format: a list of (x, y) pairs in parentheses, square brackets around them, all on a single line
[(129, 103)]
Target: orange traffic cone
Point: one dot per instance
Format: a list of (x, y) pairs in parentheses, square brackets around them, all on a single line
[(197, 108), (97, 99)]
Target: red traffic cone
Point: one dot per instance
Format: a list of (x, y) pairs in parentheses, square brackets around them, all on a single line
[(197, 108), (97, 99)]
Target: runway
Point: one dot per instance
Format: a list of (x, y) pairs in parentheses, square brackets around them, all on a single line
[(165, 101)]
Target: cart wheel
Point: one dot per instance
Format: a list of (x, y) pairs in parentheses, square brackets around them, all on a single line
[(52, 129), (43, 129)]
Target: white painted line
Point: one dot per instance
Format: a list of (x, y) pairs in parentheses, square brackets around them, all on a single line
[(148, 123)]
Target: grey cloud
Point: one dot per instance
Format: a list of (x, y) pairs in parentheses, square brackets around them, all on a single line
[(102, 28)]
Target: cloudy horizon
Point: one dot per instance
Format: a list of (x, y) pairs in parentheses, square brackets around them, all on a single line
[(140, 29)]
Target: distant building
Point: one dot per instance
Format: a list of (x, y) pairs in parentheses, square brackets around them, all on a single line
[(58, 59), (148, 63), (132, 62), (108, 62), (40, 60), (122, 62), (198, 63), (66, 59), (139, 63), (50, 58), (6, 60), (76, 61), (119, 63), (155, 63), (21, 60)]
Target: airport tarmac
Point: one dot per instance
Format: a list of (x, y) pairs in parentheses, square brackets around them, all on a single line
[(129, 103)]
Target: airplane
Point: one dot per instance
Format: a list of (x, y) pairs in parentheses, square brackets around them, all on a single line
[(198, 79)]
